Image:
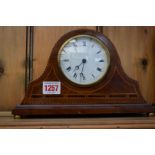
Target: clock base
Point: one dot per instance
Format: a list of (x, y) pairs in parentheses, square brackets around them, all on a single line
[(80, 110)]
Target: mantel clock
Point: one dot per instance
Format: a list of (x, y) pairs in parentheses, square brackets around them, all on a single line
[(83, 76)]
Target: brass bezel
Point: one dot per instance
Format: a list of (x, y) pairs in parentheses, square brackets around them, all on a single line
[(104, 47)]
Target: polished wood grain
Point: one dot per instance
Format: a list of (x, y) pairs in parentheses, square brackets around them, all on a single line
[(12, 66), (136, 48), (135, 122)]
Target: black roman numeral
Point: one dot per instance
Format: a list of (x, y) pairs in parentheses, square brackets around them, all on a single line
[(101, 60), (99, 69), (66, 60), (82, 76), (75, 75), (93, 76), (98, 52), (68, 69)]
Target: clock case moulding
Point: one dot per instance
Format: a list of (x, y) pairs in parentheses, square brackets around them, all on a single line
[(116, 93)]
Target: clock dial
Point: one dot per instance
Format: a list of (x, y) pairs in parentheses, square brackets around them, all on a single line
[(84, 59)]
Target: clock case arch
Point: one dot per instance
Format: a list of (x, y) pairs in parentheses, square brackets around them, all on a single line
[(115, 93)]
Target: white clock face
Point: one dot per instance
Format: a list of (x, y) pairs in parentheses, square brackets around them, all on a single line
[(84, 59)]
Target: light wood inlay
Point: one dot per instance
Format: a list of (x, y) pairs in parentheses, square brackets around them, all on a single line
[(136, 48)]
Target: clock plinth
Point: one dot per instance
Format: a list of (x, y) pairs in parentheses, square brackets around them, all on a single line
[(115, 92)]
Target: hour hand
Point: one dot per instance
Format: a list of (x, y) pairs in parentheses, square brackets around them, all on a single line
[(76, 68)]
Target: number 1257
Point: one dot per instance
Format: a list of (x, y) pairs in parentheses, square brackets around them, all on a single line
[(51, 87)]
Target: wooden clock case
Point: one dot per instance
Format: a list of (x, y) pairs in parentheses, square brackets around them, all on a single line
[(116, 93)]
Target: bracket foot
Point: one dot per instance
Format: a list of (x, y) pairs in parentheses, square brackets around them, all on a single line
[(151, 114), (17, 117)]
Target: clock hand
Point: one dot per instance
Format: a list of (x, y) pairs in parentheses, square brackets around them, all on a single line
[(75, 75), (83, 61), (77, 67), (82, 68), (81, 74)]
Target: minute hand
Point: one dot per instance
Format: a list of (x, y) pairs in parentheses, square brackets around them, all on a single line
[(82, 68), (83, 62), (81, 74)]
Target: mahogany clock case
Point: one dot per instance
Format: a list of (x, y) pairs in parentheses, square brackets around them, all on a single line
[(116, 93)]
